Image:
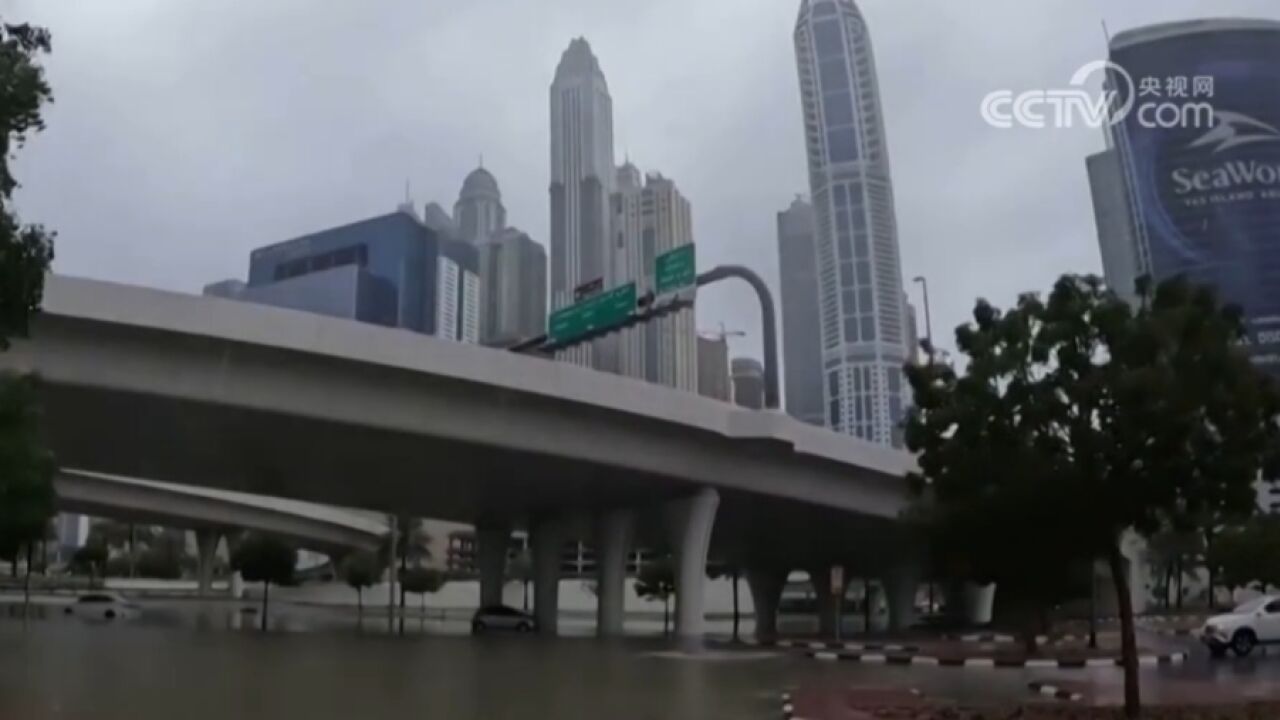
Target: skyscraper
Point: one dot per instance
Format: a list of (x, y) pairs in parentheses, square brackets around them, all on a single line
[(801, 336), (713, 368), (1196, 194), (479, 212), (513, 281), (864, 338), (389, 270), (748, 382), (648, 221), (582, 173)]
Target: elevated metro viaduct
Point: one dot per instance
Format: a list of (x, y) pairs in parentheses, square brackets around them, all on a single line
[(212, 512), (221, 394)]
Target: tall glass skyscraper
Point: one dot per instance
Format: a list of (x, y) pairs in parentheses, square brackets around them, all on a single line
[(582, 175), (863, 315)]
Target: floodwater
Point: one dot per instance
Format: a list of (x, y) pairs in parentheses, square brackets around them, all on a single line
[(191, 661)]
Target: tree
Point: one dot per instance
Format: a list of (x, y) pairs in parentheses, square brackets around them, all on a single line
[(90, 559), (25, 251), (360, 570), (1248, 556), (657, 581), (733, 572), (421, 581), (164, 557), (27, 499), (265, 559), (520, 569), (1095, 419)]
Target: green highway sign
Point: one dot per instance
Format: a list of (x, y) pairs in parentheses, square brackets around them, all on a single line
[(675, 270), (609, 308)]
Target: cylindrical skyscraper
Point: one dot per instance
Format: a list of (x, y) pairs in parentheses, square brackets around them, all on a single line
[(582, 174), (863, 329)]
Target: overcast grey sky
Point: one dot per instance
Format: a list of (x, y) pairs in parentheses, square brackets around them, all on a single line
[(185, 134)]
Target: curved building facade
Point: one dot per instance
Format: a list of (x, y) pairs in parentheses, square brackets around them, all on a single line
[(862, 313), (1197, 163), (479, 212)]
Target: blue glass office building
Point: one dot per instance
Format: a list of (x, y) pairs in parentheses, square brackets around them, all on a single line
[(391, 270)]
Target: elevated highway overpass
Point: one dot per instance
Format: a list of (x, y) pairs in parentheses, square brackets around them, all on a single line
[(211, 512), (247, 398)]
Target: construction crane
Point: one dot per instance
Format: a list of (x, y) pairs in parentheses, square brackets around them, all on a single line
[(723, 334)]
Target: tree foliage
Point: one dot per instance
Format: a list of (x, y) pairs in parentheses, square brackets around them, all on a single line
[(25, 251), (656, 580), (26, 469), (421, 580), (264, 558), (1248, 556), (1079, 418)]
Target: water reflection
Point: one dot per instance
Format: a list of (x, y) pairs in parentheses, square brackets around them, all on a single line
[(193, 660)]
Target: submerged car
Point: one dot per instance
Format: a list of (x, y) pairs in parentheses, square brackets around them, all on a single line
[(501, 617), (1256, 622), (102, 605)]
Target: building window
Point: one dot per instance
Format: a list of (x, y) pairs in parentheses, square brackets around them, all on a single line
[(828, 38), (842, 145)]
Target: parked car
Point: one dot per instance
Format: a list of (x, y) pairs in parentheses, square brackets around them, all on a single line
[(501, 617), (105, 605), (1253, 623)]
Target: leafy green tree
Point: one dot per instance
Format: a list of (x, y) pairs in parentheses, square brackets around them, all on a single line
[(1248, 556), (26, 251), (91, 559), (164, 557), (265, 559), (733, 573), (1094, 419), (657, 581), (420, 581), (27, 499), (360, 570)]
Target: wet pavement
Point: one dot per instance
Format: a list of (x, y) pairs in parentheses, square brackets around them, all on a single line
[(197, 660)]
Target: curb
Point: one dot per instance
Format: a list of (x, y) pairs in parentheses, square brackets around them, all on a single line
[(1039, 663), (857, 647), (1054, 691)]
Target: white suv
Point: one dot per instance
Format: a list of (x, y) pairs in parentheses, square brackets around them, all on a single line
[(1249, 625)]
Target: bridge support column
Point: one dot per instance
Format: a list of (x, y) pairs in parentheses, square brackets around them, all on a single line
[(829, 599), (492, 541), (691, 521), (766, 585), (548, 543), (207, 540), (900, 586), (613, 543)]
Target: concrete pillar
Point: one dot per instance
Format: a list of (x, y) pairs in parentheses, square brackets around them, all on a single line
[(829, 600), (691, 521), (207, 540), (547, 535), (491, 561), (612, 549), (766, 584), (901, 585)]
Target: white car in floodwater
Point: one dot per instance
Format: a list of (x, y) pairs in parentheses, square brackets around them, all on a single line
[(1256, 622), (102, 606)]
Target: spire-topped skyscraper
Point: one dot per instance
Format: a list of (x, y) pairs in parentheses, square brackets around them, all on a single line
[(860, 298), (479, 212), (582, 176)]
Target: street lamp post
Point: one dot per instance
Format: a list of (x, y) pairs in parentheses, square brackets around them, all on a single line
[(928, 348), (928, 319)]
